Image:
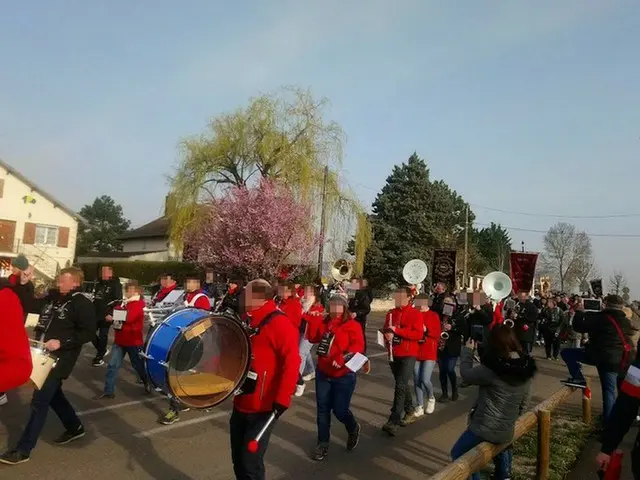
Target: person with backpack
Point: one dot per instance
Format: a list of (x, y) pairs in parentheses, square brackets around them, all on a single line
[(609, 348)]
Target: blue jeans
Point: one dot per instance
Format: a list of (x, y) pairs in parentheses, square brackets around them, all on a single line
[(574, 357), (306, 359), (502, 461), (447, 366), (334, 395), (50, 395), (115, 362), (422, 380)]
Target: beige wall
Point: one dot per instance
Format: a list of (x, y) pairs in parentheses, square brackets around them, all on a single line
[(42, 212), (144, 244)]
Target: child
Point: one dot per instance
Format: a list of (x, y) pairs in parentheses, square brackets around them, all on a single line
[(128, 340), (193, 294)]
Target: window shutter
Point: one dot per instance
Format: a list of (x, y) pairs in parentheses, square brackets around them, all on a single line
[(63, 237), (29, 237), (1, 187)]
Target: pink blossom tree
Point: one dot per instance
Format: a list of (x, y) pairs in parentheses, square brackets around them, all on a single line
[(256, 231)]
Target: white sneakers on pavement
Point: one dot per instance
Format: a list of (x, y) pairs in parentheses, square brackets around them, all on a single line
[(299, 390), (431, 405), (3, 399)]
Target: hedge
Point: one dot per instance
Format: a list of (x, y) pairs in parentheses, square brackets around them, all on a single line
[(144, 272)]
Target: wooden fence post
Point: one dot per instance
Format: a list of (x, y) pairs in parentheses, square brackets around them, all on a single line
[(586, 404), (544, 441)]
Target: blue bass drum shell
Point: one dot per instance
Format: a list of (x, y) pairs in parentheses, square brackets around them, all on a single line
[(197, 357)]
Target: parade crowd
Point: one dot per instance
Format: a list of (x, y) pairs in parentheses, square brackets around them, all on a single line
[(303, 333)]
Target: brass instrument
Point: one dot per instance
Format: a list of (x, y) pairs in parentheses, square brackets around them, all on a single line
[(444, 335), (509, 323), (342, 270)]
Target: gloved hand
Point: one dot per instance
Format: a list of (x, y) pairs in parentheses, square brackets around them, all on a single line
[(279, 409)]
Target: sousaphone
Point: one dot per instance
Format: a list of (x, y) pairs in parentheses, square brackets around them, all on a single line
[(497, 286), (415, 271), (342, 270)]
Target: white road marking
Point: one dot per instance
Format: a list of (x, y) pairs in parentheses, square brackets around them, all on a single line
[(180, 424), (119, 405)]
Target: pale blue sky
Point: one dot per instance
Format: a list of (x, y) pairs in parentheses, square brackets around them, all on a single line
[(530, 106)]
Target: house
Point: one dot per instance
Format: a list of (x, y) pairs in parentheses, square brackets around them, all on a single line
[(34, 223)]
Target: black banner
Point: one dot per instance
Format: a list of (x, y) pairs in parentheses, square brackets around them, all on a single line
[(443, 269), (596, 287)]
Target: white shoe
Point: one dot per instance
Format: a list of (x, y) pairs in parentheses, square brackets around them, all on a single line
[(309, 377), (107, 352), (418, 412), (431, 405), (299, 390), (3, 399)]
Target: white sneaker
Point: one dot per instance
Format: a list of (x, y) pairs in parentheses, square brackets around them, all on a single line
[(418, 412), (431, 405), (3, 399), (309, 377), (299, 390)]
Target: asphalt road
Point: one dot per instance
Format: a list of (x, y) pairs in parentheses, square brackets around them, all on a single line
[(124, 440)]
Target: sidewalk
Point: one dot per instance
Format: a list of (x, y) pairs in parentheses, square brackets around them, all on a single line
[(586, 465)]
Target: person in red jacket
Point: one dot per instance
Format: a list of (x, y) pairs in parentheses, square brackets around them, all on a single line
[(290, 304), (194, 296), (426, 359), (15, 351), (128, 339), (271, 381), (339, 337), (312, 309), (167, 285), (403, 327)]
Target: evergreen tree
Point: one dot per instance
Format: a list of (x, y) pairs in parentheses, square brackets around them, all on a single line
[(494, 245)]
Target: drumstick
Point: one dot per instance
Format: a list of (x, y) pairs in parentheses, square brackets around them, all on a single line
[(252, 446)]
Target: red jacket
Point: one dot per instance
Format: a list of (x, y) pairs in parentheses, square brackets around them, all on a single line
[(275, 360), (15, 351), (315, 313), (347, 338), (408, 323), (130, 335), (292, 309), (197, 299), (429, 349), (300, 292), (498, 317), (162, 294)]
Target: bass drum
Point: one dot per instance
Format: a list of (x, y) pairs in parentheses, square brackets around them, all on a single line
[(197, 357)]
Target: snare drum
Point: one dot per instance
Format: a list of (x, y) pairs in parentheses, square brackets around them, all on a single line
[(197, 357), (43, 363)]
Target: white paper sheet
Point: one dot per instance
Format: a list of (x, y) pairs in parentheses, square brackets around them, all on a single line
[(356, 362), (381, 339), (119, 315)]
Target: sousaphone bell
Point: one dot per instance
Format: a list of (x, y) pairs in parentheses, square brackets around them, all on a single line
[(497, 286), (342, 270)]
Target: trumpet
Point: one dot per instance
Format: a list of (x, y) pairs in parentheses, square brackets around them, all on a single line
[(509, 323), (444, 335)]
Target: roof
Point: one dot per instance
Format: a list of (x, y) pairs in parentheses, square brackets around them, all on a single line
[(44, 194), (156, 228), (117, 254)]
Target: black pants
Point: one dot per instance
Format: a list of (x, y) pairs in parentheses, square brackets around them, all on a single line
[(527, 347), (363, 325), (635, 459), (551, 343), (402, 370), (101, 340), (243, 428)]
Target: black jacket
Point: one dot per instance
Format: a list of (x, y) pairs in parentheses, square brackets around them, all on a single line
[(453, 345), (553, 321), (71, 319), (106, 296), (479, 319), (360, 304), (231, 302), (525, 323), (214, 290), (438, 303), (605, 347)]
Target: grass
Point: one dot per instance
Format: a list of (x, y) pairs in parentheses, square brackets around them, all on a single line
[(568, 437)]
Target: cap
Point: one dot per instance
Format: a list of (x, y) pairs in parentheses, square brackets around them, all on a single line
[(20, 262)]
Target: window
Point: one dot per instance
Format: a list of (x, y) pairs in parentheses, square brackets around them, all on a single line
[(46, 235)]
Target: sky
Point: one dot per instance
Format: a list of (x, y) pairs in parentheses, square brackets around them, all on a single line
[(521, 106)]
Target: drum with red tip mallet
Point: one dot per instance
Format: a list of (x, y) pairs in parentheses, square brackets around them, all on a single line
[(253, 445)]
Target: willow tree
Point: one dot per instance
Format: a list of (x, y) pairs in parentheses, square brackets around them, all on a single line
[(281, 137)]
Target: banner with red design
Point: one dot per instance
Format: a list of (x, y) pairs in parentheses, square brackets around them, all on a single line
[(523, 270)]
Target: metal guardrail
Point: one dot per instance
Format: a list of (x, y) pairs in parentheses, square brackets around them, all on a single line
[(479, 457)]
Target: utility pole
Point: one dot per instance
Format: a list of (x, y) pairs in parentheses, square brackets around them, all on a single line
[(523, 247), (322, 220), (466, 247)]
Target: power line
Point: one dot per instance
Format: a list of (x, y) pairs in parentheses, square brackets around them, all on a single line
[(548, 215), (605, 235)]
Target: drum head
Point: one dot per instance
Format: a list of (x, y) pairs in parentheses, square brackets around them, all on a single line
[(209, 361)]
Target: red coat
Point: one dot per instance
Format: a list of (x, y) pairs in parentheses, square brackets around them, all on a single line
[(498, 317), (300, 292), (15, 351), (348, 338), (429, 349), (408, 323), (162, 294), (292, 309), (197, 299), (130, 335), (315, 312), (276, 361)]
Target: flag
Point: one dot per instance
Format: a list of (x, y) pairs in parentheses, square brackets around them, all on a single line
[(523, 270), (444, 268)]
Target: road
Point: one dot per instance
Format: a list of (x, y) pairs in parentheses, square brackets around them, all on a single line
[(124, 440)]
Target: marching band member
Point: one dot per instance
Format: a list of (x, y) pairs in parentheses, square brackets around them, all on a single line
[(449, 348), (290, 304), (107, 292), (211, 287), (271, 381), (128, 340), (193, 295), (402, 330), (311, 309), (439, 292), (15, 353), (339, 337), (426, 359), (167, 285), (525, 321), (231, 299), (67, 322)]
